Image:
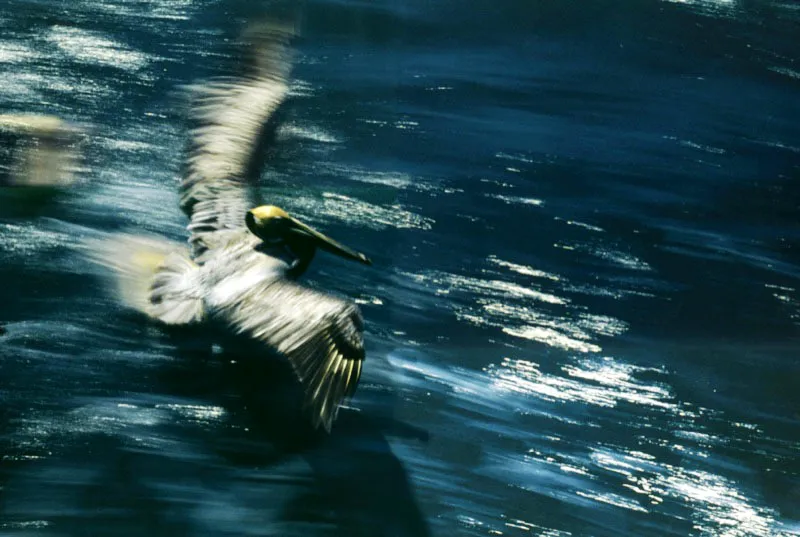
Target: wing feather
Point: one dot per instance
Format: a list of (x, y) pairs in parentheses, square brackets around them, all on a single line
[(227, 121), (321, 336)]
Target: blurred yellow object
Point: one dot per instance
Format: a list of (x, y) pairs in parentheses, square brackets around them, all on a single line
[(39, 155), (41, 150)]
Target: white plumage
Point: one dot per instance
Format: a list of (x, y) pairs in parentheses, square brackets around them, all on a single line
[(231, 276)]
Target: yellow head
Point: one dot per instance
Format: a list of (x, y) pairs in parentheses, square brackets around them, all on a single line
[(265, 212), (274, 225)]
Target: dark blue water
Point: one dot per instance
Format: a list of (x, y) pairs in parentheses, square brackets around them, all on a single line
[(583, 315)]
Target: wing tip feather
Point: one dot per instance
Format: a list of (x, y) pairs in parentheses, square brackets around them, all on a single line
[(329, 377)]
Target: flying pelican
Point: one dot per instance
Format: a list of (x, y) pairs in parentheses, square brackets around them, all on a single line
[(243, 258)]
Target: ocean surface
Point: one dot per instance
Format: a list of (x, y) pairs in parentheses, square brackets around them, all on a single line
[(583, 317)]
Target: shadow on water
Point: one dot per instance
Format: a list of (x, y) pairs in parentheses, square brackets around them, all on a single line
[(361, 487), (257, 464)]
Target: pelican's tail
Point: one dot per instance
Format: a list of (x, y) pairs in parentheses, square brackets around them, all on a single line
[(152, 276), (175, 292)]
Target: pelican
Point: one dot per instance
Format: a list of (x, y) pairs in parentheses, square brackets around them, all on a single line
[(240, 269)]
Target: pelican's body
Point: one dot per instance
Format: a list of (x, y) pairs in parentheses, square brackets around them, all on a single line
[(244, 258)]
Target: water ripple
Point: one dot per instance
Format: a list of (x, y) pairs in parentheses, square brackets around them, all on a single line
[(604, 383), (512, 307), (92, 47), (356, 212)]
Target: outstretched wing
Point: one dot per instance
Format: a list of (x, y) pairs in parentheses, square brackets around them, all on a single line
[(321, 335), (227, 120)]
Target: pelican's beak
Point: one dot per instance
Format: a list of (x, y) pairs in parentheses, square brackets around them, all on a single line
[(269, 221), (326, 243)]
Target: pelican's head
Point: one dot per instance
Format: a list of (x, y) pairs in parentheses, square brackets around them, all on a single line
[(273, 225)]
